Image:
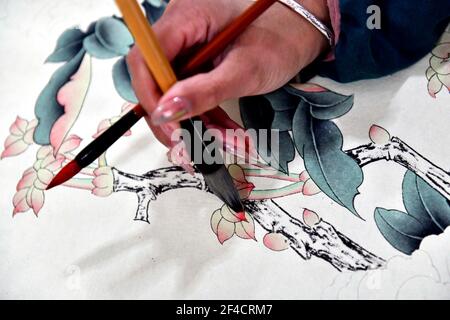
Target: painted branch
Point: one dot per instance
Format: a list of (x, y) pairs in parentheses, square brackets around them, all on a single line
[(322, 240), (399, 152)]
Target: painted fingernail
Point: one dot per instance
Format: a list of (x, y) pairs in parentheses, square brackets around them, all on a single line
[(172, 110)]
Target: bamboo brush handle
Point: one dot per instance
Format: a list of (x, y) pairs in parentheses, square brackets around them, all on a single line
[(148, 43)]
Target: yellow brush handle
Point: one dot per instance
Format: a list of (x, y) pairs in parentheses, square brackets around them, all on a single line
[(148, 43)]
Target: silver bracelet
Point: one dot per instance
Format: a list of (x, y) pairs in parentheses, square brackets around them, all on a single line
[(311, 18)]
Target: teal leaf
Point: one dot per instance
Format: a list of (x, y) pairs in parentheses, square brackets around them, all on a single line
[(425, 204), (323, 99), (286, 153), (320, 144), (96, 49), (68, 45), (283, 120), (122, 81), (257, 114), (154, 9), (114, 35), (325, 105), (282, 100), (47, 108), (402, 231)]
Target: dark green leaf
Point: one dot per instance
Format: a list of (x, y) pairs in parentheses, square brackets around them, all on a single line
[(96, 49), (114, 35), (47, 108), (154, 9), (283, 120), (67, 46), (425, 204), (281, 100), (320, 144), (122, 81), (257, 114), (402, 231)]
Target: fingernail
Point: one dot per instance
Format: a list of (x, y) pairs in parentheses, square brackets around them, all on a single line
[(171, 110)]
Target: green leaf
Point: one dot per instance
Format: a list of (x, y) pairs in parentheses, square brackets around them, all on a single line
[(282, 100), (154, 9), (47, 108), (93, 46), (114, 35), (320, 144), (425, 204), (325, 105), (257, 113), (68, 45), (122, 81), (283, 120), (402, 231)]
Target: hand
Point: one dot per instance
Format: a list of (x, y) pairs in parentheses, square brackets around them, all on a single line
[(266, 56)]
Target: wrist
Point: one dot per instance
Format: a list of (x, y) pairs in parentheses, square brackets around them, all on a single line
[(312, 25)]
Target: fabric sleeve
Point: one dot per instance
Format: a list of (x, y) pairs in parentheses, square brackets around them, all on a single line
[(409, 30)]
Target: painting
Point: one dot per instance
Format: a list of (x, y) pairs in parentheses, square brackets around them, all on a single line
[(319, 161)]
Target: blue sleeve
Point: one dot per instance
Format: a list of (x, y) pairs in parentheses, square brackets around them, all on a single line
[(409, 30)]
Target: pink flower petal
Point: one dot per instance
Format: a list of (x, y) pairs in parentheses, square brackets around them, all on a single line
[(430, 73), (439, 65), (71, 96), (21, 206), (37, 200), (434, 86), (215, 219), (304, 176), (225, 231), (442, 51), (14, 149), (70, 144), (229, 215), (276, 242), (27, 180), (445, 80), (56, 165), (103, 181), (43, 152), (310, 218), (45, 176), (19, 127), (102, 192), (19, 197), (29, 136), (379, 135), (237, 173), (246, 229), (309, 87), (310, 188)]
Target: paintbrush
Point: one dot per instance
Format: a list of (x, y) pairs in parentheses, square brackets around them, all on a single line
[(166, 80)]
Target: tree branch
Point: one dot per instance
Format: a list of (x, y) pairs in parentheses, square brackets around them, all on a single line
[(399, 152), (321, 240)]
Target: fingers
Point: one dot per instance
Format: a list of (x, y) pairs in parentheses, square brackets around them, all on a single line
[(235, 76)]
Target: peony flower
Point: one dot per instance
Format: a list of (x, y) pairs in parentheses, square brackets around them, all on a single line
[(244, 187), (103, 182), (107, 123), (20, 138), (438, 74), (30, 189), (225, 224)]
